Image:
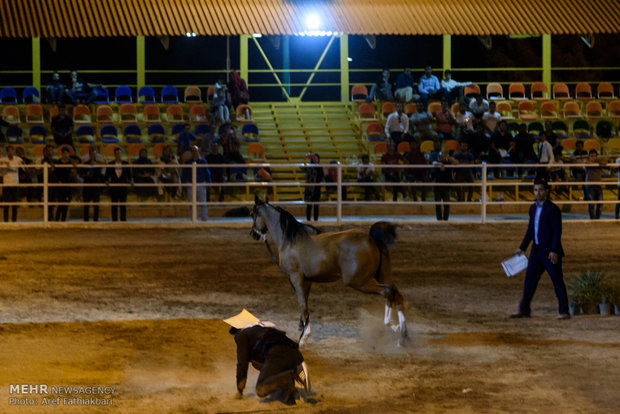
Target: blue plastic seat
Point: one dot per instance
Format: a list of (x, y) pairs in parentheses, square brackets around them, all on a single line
[(146, 94), (8, 96), (31, 95), (102, 95), (156, 133), (169, 94), (177, 128), (202, 129), (250, 132), (132, 131), (38, 134), (108, 134), (85, 133), (122, 94), (14, 135)]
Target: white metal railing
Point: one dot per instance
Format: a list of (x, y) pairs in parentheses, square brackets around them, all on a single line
[(483, 185)]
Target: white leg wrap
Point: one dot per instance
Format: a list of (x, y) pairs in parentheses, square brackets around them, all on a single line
[(401, 321), (306, 336), (388, 314)]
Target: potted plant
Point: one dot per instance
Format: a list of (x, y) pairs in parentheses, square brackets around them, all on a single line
[(607, 296), (585, 290)]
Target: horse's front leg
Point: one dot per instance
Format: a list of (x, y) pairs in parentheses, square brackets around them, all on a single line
[(302, 289)]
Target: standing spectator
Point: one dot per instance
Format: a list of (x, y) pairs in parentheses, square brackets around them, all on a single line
[(25, 176), (120, 177), (580, 156), (404, 86), (62, 127), (454, 89), (169, 175), (382, 90), (423, 124), (143, 175), (595, 191), (392, 175), (443, 175), (219, 104), (365, 173), (55, 90), (81, 91), (185, 140), (66, 172), (217, 173), (231, 149), (312, 193), (464, 175), (545, 231), (545, 156), (416, 175), (429, 87), (491, 118), (92, 176), (464, 123), (557, 173), (397, 124), (10, 166), (478, 106), (48, 161), (552, 137), (203, 176), (237, 89), (445, 122)]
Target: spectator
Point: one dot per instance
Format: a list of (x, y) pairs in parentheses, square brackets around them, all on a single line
[(423, 124), (454, 89), (525, 145), (416, 175), (231, 147), (62, 128), (365, 174), (237, 89), (47, 158), (55, 90), (219, 104), (217, 173), (618, 204), (25, 176), (428, 87), (478, 106), (3, 123), (491, 119), (442, 175), (332, 177), (64, 174), (79, 92), (557, 173), (545, 156), (312, 193), (551, 136), (169, 175), (382, 90), (479, 143), (392, 175), (464, 175), (143, 175), (10, 166), (404, 86), (185, 140), (580, 156), (502, 138), (120, 177), (92, 176), (206, 140), (595, 191), (464, 122), (203, 176), (445, 122), (397, 124)]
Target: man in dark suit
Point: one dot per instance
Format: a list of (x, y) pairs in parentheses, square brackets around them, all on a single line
[(545, 231), (116, 174)]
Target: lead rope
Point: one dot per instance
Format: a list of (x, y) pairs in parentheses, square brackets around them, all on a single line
[(273, 256)]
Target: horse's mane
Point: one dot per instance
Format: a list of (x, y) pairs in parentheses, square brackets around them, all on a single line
[(291, 228)]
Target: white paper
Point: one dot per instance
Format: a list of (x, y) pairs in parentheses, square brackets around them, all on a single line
[(515, 264)]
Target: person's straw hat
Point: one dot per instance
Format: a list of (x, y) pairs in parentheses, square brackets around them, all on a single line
[(242, 320)]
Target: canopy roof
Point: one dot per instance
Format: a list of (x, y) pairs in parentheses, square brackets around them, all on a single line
[(88, 18)]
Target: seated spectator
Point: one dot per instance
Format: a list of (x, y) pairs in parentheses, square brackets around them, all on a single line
[(219, 104), (169, 174), (416, 175), (55, 90), (365, 174), (62, 128), (3, 123), (502, 138), (217, 173), (404, 86), (91, 175), (445, 122), (478, 106), (397, 124), (382, 90), (464, 175), (231, 149), (524, 145), (545, 156), (392, 175), (428, 87), (454, 89), (185, 140), (9, 170), (143, 175), (238, 89), (552, 137), (423, 124), (80, 91), (479, 143), (464, 123), (491, 119)]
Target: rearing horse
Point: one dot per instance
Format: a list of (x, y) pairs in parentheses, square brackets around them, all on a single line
[(306, 255)]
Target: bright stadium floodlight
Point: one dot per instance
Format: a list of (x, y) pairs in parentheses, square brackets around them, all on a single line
[(188, 34), (313, 21)]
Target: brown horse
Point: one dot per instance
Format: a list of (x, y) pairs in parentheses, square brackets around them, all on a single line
[(306, 255)]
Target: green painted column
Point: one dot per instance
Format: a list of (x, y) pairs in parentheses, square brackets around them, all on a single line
[(140, 62), (546, 61), (344, 68), (243, 57), (447, 52), (36, 62)]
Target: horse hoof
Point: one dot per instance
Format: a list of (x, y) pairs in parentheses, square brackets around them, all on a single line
[(395, 328)]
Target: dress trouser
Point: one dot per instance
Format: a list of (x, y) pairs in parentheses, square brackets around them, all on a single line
[(537, 264), (91, 195), (442, 194), (201, 198), (279, 370), (118, 195), (10, 195)]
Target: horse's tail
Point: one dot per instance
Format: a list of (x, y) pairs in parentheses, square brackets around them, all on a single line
[(383, 234)]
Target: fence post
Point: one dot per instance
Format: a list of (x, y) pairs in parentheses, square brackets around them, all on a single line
[(483, 194), (45, 195), (194, 179), (339, 195)]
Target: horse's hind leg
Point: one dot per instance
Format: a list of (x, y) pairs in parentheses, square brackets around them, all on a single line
[(302, 289)]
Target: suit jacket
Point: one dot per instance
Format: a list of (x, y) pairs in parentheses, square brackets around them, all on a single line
[(549, 229), (110, 174)]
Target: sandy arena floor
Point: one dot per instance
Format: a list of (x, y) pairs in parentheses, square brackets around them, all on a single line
[(138, 311)]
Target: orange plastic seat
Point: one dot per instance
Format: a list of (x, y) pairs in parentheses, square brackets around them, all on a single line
[(81, 114), (128, 113), (571, 110), (455, 108), (434, 107), (192, 94), (174, 113), (538, 91), (210, 92), (560, 91), (388, 108), (380, 147), (505, 109), (244, 113), (451, 145), (548, 110), (367, 111), (569, 144), (133, 149), (583, 91), (594, 109), (516, 91), (151, 113), (411, 109), (34, 114), (359, 93), (104, 114), (53, 112), (403, 147), (527, 111), (374, 130), (197, 113), (613, 109), (605, 90), (495, 91), (592, 144), (256, 151), (470, 90)]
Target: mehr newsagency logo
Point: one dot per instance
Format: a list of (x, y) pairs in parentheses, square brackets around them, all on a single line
[(50, 395)]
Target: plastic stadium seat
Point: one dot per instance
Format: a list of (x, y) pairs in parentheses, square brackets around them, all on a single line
[(359, 93), (451, 145), (367, 111), (108, 150), (30, 95), (583, 91), (192, 94), (244, 113), (548, 110), (122, 94), (471, 90), (132, 134), (571, 110), (249, 132), (603, 129), (102, 96), (38, 134), (374, 131), (427, 146), (613, 146), (169, 94), (34, 114), (146, 94), (210, 92), (535, 128), (174, 113), (85, 133), (592, 144), (560, 128), (434, 107), (581, 129), (569, 144), (387, 108), (8, 96), (560, 91), (495, 91), (104, 114), (403, 147), (411, 109), (151, 113), (158, 149), (156, 133), (176, 130), (505, 109), (455, 108), (81, 114), (538, 91), (37, 151), (197, 113), (11, 114), (516, 91), (380, 147), (613, 109), (133, 150), (108, 134), (526, 110), (204, 129), (256, 151), (605, 90), (128, 113), (14, 135), (594, 109), (513, 127)]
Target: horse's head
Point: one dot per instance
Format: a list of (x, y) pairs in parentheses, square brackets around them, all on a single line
[(259, 225)]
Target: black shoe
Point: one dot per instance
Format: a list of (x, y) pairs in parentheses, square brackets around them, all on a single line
[(520, 315), (563, 316)]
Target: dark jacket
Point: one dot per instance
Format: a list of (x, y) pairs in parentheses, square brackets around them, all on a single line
[(549, 229), (110, 173)]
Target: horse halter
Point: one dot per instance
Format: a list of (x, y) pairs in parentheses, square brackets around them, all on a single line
[(258, 234)]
